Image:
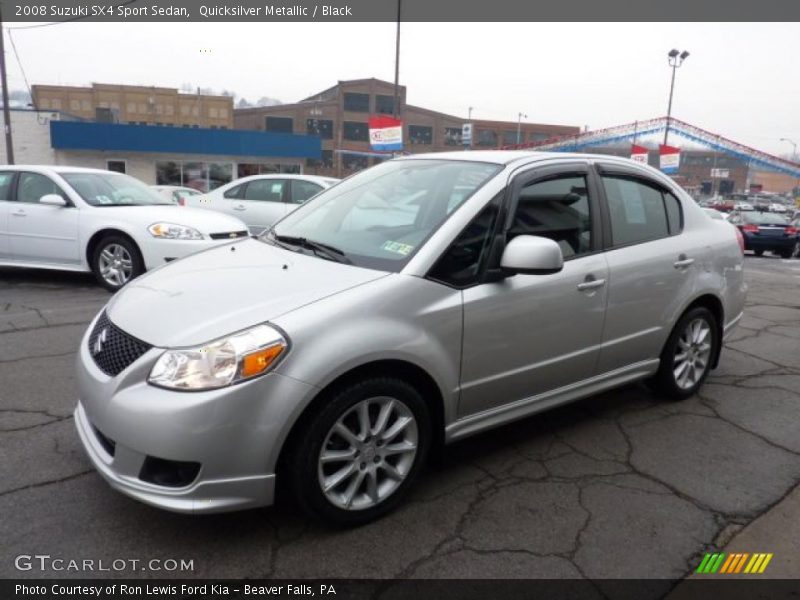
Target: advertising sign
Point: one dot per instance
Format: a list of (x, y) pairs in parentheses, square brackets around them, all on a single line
[(385, 134), (670, 158), (639, 154), (720, 173), (466, 134)]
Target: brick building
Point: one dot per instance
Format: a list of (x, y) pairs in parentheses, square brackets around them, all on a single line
[(339, 115), (137, 105)]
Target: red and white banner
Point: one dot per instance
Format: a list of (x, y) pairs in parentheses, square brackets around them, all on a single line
[(385, 134), (670, 158), (639, 154)]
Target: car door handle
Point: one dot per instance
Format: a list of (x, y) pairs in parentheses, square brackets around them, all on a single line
[(240, 207), (683, 262), (591, 284), (19, 213)]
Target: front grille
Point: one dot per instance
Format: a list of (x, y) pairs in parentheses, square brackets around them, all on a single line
[(112, 349), (228, 235)]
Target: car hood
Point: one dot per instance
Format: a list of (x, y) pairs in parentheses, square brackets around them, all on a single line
[(204, 221), (217, 292)]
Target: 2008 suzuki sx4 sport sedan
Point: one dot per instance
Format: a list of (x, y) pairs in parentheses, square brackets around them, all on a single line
[(418, 302)]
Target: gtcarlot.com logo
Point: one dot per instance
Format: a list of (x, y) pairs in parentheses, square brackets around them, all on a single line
[(734, 563), (46, 562)]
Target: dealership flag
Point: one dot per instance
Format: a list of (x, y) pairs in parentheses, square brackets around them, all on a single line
[(385, 134), (670, 158), (639, 154)]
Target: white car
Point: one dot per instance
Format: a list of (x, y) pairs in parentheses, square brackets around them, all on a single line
[(176, 193), (261, 200), (76, 219), (777, 208), (743, 206)]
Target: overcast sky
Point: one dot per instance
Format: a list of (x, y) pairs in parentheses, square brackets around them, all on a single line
[(741, 80)]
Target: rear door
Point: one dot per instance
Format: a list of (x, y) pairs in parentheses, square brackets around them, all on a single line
[(652, 265), (40, 232), (262, 203)]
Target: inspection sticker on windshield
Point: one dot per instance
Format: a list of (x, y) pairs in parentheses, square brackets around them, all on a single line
[(397, 247)]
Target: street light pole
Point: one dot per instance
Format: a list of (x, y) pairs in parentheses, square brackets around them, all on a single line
[(395, 107), (519, 126), (6, 111), (675, 58)]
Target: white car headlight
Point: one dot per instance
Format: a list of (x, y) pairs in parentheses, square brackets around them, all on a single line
[(171, 231), (238, 357)]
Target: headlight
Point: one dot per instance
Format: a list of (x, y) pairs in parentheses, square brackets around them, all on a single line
[(239, 357), (171, 231)]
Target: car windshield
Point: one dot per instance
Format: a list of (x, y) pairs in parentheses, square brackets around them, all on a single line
[(112, 189), (380, 217), (764, 218)]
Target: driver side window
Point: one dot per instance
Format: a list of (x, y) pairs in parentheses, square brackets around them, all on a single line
[(32, 186), (557, 209)]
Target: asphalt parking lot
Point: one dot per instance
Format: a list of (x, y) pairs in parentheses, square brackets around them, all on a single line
[(619, 485)]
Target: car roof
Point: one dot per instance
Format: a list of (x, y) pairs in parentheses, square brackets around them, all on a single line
[(316, 178), (508, 157)]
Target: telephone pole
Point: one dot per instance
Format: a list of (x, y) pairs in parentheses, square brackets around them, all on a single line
[(6, 111)]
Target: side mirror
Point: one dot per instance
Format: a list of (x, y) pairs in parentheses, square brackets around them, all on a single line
[(52, 200), (531, 255)]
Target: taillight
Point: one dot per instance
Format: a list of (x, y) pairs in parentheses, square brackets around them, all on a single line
[(790, 230), (750, 228), (739, 238)]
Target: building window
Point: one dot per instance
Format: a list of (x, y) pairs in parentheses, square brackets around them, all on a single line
[(510, 138), (384, 104), (420, 134), (356, 102), (538, 137), (355, 131), (321, 127), (247, 169), (118, 166), (452, 136), (354, 162), (325, 162), (486, 137), (279, 124), (197, 175)]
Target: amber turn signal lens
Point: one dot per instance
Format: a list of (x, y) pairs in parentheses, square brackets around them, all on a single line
[(258, 361)]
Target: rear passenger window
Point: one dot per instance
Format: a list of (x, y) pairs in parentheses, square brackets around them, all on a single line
[(557, 209), (674, 216), (637, 211), (5, 185), (270, 190), (234, 192)]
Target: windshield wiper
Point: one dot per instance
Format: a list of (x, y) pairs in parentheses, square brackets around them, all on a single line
[(331, 252)]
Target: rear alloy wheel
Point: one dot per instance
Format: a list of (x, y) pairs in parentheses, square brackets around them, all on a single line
[(361, 452), (116, 261), (687, 355)]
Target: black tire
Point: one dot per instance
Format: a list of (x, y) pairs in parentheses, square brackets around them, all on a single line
[(786, 253), (665, 383), (758, 252), (302, 466), (130, 253)]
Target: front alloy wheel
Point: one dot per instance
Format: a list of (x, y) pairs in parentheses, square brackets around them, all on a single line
[(358, 450), (115, 261), (368, 453)]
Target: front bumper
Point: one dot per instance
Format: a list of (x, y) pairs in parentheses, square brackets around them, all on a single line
[(235, 434)]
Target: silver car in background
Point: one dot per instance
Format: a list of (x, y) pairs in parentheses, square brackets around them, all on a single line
[(416, 303)]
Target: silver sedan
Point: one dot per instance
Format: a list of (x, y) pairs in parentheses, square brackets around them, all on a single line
[(416, 303)]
